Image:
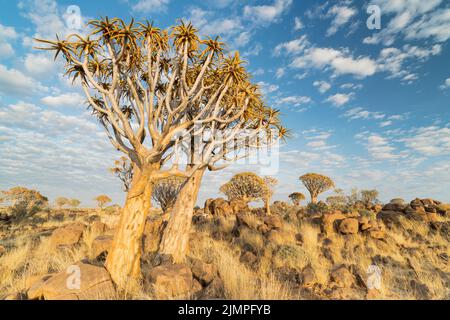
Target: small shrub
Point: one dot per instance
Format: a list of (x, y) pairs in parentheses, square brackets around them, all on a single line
[(165, 191), (289, 256), (317, 208)]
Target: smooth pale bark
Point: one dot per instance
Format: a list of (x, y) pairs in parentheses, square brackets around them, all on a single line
[(123, 261), (313, 198), (175, 240)]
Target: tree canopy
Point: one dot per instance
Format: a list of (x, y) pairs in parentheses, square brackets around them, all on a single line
[(148, 87), (246, 186), (316, 184), (296, 197)]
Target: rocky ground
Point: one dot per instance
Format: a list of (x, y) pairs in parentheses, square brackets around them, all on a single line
[(240, 253)]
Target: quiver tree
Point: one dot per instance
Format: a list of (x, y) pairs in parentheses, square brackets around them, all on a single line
[(165, 191), (271, 183), (123, 170), (369, 197), (61, 202), (316, 184), (296, 198), (246, 187), (74, 203), (23, 202), (102, 200), (153, 90)]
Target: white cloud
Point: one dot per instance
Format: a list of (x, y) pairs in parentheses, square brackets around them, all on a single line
[(414, 19), (385, 123), (342, 15), (292, 47), (280, 73), (446, 84), (322, 86), (230, 29), (298, 24), (148, 6), (393, 60), (264, 14), (294, 100), (339, 99), (60, 155), (48, 19), (267, 88), (14, 82), (352, 86), (64, 100), (430, 141), (7, 34), (6, 50), (340, 62), (360, 113), (379, 148), (38, 64)]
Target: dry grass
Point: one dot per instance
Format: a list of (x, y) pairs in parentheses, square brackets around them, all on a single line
[(413, 251)]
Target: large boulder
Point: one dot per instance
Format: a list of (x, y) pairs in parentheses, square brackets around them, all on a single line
[(203, 272), (68, 235), (349, 226), (308, 277), (225, 224), (94, 284), (394, 206), (238, 206), (341, 277), (101, 244), (273, 222), (170, 281), (207, 206), (220, 207), (328, 221), (98, 227), (248, 219)]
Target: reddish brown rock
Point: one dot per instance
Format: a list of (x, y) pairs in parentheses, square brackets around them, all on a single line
[(68, 235), (170, 281), (203, 272), (101, 244), (342, 277), (349, 226), (94, 284)]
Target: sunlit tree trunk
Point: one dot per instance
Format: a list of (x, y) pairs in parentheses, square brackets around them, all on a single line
[(123, 261), (313, 198), (174, 242), (267, 205)]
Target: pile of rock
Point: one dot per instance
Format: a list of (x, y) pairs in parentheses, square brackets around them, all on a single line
[(351, 223), (427, 210), (180, 281)]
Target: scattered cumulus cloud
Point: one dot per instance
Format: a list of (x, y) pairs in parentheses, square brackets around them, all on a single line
[(339, 99), (264, 14), (322, 86), (341, 16)]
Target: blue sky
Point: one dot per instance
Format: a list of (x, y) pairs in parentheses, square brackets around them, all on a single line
[(369, 108)]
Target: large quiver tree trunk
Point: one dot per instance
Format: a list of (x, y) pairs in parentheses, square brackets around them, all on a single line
[(175, 239), (123, 261)]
